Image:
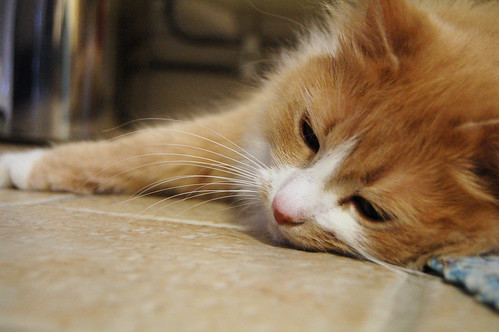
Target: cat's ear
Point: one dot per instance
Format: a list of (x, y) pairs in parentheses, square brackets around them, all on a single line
[(483, 159), (384, 30)]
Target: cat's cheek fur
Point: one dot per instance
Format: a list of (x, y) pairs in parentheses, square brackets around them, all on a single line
[(16, 168), (343, 224), (256, 145)]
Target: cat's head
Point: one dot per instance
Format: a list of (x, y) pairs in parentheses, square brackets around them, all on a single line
[(383, 131)]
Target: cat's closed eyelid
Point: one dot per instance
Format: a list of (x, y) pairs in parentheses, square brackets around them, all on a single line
[(365, 209), (369, 211)]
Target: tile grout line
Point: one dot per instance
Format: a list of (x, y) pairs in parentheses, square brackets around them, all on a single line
[(138, 217), (56, 199), (378, 321)]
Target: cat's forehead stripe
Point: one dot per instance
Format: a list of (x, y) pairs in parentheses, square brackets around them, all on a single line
[(330, 164)]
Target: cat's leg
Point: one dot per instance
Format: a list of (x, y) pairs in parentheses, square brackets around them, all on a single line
[(199, 155)]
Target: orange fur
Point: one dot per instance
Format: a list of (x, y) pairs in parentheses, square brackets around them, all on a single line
[(408, 85)]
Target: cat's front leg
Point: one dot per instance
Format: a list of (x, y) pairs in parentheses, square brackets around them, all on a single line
[(183, 156), (76, 167)]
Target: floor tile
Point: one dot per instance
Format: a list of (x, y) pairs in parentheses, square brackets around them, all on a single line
[(11, 197), (67, 269), (159, 208)]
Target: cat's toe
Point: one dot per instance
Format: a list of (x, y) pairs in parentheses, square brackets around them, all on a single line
[(15, 168)]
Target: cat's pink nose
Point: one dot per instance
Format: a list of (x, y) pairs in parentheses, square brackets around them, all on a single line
[(282, 217)]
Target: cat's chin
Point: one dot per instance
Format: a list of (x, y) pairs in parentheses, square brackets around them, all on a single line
[(280, 236), (276, 234)]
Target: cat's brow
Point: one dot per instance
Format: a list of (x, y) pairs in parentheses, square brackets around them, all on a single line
[(366, 177)]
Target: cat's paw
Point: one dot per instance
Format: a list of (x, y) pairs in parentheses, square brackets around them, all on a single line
[(15, 168)]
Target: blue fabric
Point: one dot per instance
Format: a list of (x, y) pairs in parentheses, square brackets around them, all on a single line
[(478, 275)]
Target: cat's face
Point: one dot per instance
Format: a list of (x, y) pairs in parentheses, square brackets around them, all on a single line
[(389, 159)]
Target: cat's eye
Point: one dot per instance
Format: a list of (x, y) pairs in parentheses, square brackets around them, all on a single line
[(368, 211), (309, 136)]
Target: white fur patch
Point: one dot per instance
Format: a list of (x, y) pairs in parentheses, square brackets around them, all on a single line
[(331, 162), (257, 147), (302, 193), (15, 168), (342, 223)]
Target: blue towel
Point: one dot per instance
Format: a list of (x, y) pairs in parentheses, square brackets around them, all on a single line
[(478, 275)]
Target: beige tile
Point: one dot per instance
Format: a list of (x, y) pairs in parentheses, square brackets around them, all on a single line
[(65, 267), (158, 208), (12, 197)]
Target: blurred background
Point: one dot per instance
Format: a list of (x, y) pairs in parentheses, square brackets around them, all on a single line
[(72, 69)]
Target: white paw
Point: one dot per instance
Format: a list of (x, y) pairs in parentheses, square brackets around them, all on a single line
[(15, 168)]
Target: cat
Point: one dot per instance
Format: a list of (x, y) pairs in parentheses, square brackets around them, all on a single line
[(377, 136)]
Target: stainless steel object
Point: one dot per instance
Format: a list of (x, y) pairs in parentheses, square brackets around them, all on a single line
[(7, 16), (56, 68)]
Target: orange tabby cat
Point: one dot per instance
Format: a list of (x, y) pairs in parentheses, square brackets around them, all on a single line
[(378, 136)]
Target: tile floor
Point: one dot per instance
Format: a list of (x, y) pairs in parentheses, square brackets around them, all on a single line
[(112, 263)]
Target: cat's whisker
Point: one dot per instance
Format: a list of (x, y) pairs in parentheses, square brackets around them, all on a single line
[(239, 150), (242, 152), (398, 269), (169, 180), (203, 194), (162, 201), (205, 165), (248, 173), (189, 185), (246, 201), (163, 182), (208, 192), (145, 193), (159, 182), (254, 169), (218, 191), (285, 18), (237, 206), (204, 202), (246, 156), (241, 171)]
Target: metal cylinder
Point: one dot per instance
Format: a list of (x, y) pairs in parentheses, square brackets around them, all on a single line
[(57, 67)]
